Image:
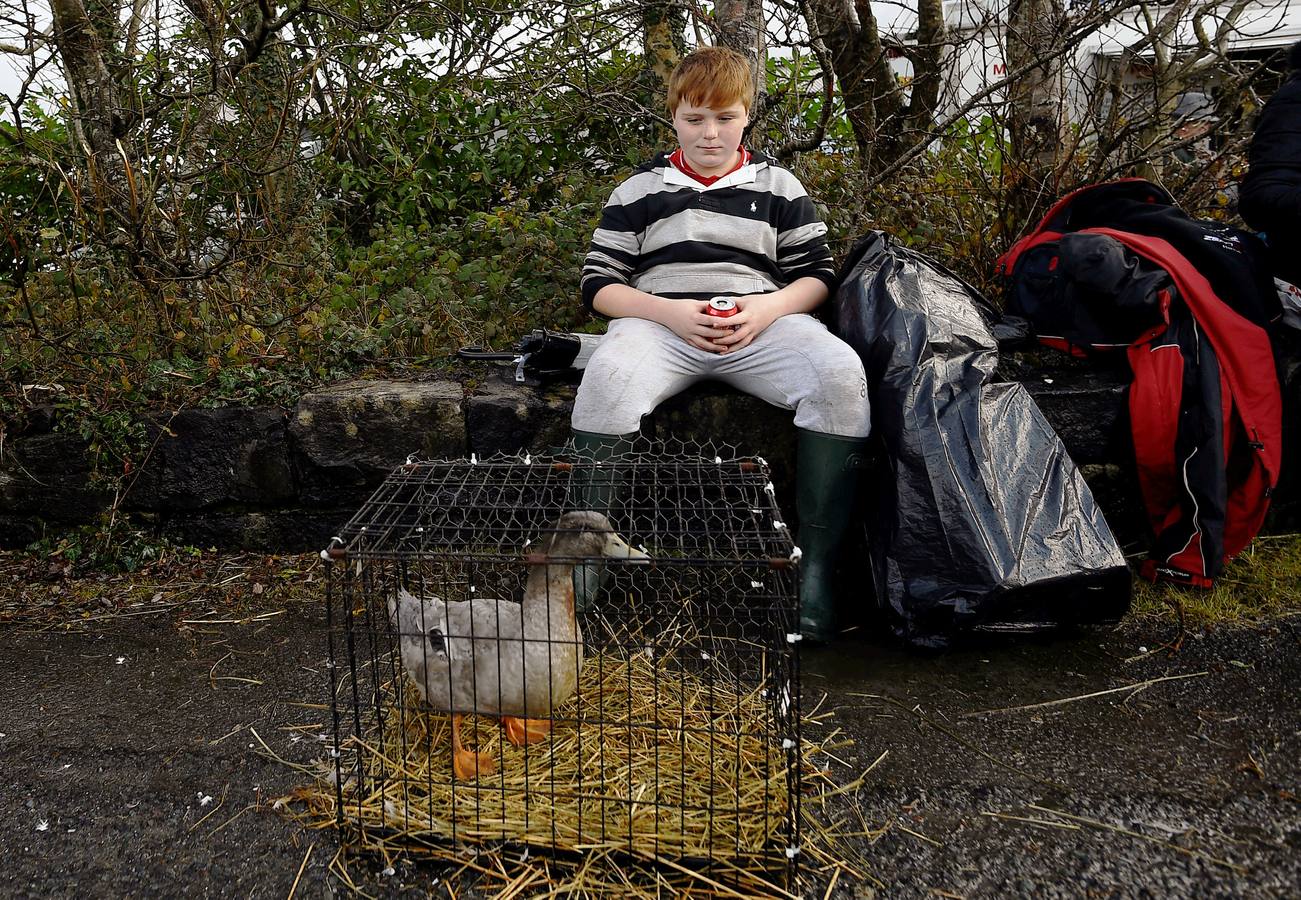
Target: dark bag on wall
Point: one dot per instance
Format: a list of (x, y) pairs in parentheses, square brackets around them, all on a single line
[(981, 521), (541, 356)]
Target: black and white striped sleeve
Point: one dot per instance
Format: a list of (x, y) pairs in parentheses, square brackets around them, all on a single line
[(615, 249), (802, 241)]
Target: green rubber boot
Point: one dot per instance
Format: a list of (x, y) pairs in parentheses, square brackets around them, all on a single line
[(826, 482), (597, 485)]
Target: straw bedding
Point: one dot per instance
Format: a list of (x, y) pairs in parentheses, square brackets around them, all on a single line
[(647, 759)]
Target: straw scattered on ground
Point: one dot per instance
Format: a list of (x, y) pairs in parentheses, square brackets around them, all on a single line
[(632, 808)]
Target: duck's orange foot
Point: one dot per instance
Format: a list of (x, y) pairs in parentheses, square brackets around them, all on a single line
[(521, 732), (469, 765)]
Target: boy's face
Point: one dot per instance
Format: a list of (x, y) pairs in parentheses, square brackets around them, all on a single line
[(710, 137)]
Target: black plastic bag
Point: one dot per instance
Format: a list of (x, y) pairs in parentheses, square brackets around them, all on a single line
[(981, 521)]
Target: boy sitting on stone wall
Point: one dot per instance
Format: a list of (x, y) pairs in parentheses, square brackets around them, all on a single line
[(712, 219)]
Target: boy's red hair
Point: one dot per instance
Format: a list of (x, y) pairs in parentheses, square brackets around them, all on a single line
[(715, 77)]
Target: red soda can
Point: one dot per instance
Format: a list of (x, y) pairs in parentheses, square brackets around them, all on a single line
[(722, 308)]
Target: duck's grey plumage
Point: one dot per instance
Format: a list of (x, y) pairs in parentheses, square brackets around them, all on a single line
[(499, 657)]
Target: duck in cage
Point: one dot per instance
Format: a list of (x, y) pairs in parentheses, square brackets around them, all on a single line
[(571, 653), (518, 661)]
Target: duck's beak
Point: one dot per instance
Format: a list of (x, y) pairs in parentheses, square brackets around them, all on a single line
[(617, 548)]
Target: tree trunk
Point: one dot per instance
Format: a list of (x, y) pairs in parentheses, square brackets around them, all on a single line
[(927, 58), (663, 23), (740, 27), (1035, 107), (94, 112), (872, 97), (1166, 85)]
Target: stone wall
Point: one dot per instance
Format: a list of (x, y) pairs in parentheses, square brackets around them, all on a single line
[(285, 479)]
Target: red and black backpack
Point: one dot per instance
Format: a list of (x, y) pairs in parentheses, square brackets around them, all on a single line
[(1119, 266)]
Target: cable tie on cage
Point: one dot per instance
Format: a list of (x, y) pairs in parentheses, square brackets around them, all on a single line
[(761, 461), (792, 852), (756, 584), (474, 460), (788, 744), (796, 554), (333, 550), (794, 636), (718, 460), (528, 459), (411, 459), (779, 524), (770, 490)]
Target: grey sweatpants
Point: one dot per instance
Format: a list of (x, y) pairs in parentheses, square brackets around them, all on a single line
[(794, 364)]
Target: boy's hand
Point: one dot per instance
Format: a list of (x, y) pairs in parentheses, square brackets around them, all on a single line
[(689, 321), (757, 312)]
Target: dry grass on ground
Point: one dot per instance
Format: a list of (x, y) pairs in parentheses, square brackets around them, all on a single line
[(1262, 582), (1265, 581), (48, 593)]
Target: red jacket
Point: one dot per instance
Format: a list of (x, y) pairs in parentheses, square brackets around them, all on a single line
[(1205, 408)]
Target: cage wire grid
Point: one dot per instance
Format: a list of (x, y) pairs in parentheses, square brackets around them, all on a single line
[(676, 736)]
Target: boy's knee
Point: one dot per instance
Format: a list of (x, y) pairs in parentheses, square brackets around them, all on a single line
[(838, 404), (832, 369), (845, 377), (598, 410)]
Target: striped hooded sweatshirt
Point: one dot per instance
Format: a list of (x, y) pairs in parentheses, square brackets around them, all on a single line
[(752, 231)]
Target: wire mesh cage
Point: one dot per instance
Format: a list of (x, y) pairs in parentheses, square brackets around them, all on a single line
[(573, 651)]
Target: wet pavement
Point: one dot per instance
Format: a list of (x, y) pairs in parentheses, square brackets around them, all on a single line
[(1185, 787), (136, 759)]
